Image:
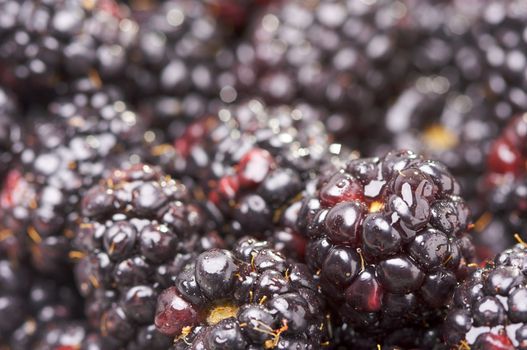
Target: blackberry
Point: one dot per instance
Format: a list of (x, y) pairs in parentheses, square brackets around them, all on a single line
[(82, 136), (42, 42), (388, 237), (500, 37), (253, 162), (445, 122), (470, 57), (139, 229), (347, 56), (10, 130), (488, 310), (31, 303), (179, 67), (250, 297)]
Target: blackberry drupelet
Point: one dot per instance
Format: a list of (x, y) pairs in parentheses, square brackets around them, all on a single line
[(388, 237), (139, 229), (489, 308), (249, 298), (82, 137), (253, 162), (45, 41), (348, 56), (179, 68), (10, 131)]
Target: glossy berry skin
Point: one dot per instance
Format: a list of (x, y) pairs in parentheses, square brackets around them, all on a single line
[(49, 40), (252, 162), (488, 310), (388, 238), (81, 138), (227, 298), (139, 228)]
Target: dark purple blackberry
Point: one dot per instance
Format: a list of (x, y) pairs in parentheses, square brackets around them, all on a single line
[(347, 56), (253, 162), (249, 298), (10, 131), (388, 237), (500, 36), (179, 67), (489, 308), (444, 122), (444, 112), (139, 229), (80, 139), (44, 41), (470, 56), (30, 304)]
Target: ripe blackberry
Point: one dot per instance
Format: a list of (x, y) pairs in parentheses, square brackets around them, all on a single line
[(139, 229), (500, 36), (81, 137), (44, 41), (445, 122), (250, 297), (346, 55), (471, 56), (488, 310), (31, 303), (253, 162), (179, 67), (10, 131), (388, 237)]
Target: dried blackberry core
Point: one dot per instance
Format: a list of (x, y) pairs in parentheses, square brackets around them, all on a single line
[(388, 239), (139, 229), (244, 298), (489, 309)]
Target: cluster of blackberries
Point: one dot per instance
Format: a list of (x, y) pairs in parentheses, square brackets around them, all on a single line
[(266, 174)]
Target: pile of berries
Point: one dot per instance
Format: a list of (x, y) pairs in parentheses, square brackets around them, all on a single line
[(266, 174)]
